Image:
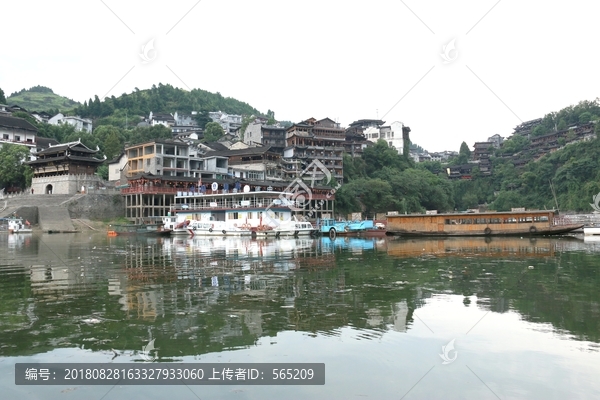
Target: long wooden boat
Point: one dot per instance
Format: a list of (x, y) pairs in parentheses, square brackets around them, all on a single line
[(511, 223)]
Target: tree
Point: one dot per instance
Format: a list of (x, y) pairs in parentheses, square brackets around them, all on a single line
[(562, 125), (213, 132), (464, 150), (112, 146), (2, 97), (102, 172), (13, 171)]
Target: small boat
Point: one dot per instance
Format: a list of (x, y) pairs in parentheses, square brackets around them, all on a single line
[(332, 227), (591, 231), (137, 229), (15, 225)]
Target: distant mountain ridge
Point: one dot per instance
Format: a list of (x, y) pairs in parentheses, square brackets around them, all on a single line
[(41, 98)]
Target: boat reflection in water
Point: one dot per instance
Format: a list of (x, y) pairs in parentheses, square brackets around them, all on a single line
[(481, 247)]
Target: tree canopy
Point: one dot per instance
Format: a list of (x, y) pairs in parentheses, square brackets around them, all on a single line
[(13, 172)]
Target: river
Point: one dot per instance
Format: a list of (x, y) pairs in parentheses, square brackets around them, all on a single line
[(484, 318)]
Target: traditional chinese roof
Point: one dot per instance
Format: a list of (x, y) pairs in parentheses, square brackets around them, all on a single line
[(72, 151), (16, 123)]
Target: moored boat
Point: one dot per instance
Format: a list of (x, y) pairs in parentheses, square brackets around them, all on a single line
[(591, 231), (137, 229), (15, 225), (332, 227), (510, 223)]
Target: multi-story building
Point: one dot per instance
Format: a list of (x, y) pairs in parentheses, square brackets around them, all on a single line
[(229, 122), (80, 124), (360, 134), (17, 131), (173, 157), (497, 140), (482, 150), (393, 135), (252, 163), (312, 140), (267, 135), (161, 119), (159, 157), (65, 168)]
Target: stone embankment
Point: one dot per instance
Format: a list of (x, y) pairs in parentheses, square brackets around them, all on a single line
[(56, 213)]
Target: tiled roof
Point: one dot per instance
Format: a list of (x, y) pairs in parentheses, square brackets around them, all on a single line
[(16, 123)]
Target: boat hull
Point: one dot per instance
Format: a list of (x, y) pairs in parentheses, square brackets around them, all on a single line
[(553, 230)]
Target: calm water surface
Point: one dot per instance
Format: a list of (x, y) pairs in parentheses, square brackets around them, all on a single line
[(522, 315)]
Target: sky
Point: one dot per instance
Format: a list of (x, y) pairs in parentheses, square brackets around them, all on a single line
[(452, 71)]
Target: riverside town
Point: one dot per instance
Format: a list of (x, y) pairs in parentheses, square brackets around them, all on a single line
[(184, 228)]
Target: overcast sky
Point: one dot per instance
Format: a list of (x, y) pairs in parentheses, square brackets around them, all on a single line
[(513, 61)]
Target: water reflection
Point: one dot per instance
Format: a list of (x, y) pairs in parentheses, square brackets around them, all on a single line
[(202, 295)]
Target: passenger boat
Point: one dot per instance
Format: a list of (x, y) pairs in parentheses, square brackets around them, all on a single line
[(239, 213), (508, 223), (15, 225)]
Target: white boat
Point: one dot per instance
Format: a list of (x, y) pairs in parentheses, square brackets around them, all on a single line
[(261, 214), (15, 225), (591, 231)]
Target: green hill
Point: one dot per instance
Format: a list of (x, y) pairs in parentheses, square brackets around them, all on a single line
[(41, 98), (164, 99)]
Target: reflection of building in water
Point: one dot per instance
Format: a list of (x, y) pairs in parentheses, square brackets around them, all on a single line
[(395, 321), (400, 313), (492, 247)]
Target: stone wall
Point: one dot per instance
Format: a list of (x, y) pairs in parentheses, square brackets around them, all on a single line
[(97, 207), (64, 184)]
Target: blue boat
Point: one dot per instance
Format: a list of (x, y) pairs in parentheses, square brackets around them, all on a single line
[(332, 227)]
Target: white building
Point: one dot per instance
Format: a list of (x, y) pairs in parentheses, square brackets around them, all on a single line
[(15, 130), (391, 133), (117, 168), (161, 119), (80, 124), (229, 122)]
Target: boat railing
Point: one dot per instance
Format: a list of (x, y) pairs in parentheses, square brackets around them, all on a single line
[(235, 204), (564, 220)]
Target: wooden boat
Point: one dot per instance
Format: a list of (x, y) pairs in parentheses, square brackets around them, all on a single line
[(510, 223)]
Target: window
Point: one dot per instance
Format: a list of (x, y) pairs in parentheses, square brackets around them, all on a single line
[(17, 138), (5, 136)]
